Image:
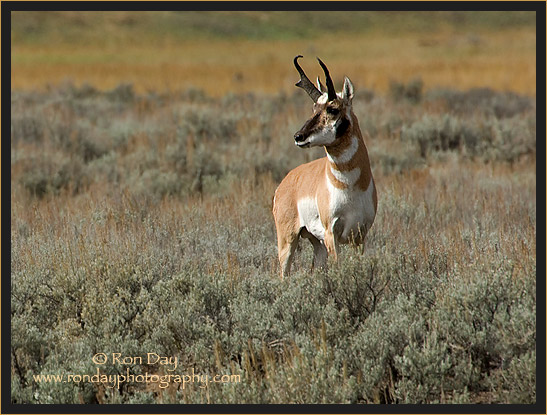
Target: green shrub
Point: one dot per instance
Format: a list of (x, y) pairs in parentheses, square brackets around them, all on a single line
[(412, 91), (45, 177), (434, 134), (143, 224), (482, 100), (491, 139)]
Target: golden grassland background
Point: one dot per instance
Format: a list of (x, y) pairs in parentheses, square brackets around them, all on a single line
[(162, 51)]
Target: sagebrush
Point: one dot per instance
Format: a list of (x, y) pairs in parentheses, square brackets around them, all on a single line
[(142, 223)]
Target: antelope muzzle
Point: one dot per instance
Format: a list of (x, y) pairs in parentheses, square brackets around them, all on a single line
[(309, 128)]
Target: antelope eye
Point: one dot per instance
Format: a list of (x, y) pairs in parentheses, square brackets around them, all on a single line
[(333, 111)]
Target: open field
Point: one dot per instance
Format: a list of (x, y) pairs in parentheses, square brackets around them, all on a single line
[(443, 50), (141, 216)]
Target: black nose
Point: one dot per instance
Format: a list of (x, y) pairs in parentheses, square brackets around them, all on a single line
[(298, 137)]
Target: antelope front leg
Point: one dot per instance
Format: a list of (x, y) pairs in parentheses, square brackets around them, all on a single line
[(320, 256), (332, 246)]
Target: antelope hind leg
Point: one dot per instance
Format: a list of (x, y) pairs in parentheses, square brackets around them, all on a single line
[(286, 251)]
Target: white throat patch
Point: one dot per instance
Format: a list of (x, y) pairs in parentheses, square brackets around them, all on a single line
[(349, 178), (347, 155)]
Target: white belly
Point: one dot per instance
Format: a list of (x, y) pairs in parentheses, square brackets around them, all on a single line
[(308, 214), (353, 213)]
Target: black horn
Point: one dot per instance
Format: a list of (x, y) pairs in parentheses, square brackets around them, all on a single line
[(330, 85), (305, 83)]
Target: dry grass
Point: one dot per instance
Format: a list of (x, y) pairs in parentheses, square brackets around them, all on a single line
[(502, 61)]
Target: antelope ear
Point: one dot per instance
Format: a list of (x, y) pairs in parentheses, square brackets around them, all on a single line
[(347, 90)]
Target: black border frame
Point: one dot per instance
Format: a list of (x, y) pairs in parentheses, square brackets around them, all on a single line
[(8, 6)]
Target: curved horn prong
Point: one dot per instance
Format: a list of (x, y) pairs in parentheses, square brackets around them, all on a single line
[(305, 83), (330, 85), (320, 86)]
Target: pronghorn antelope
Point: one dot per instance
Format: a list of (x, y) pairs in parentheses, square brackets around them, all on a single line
[(332, 200)]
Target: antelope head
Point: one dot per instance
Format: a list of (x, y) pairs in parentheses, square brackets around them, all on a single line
[(332, 115)]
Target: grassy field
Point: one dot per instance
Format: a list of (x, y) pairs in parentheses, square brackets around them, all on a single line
[(249, 52), (142, 180)]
